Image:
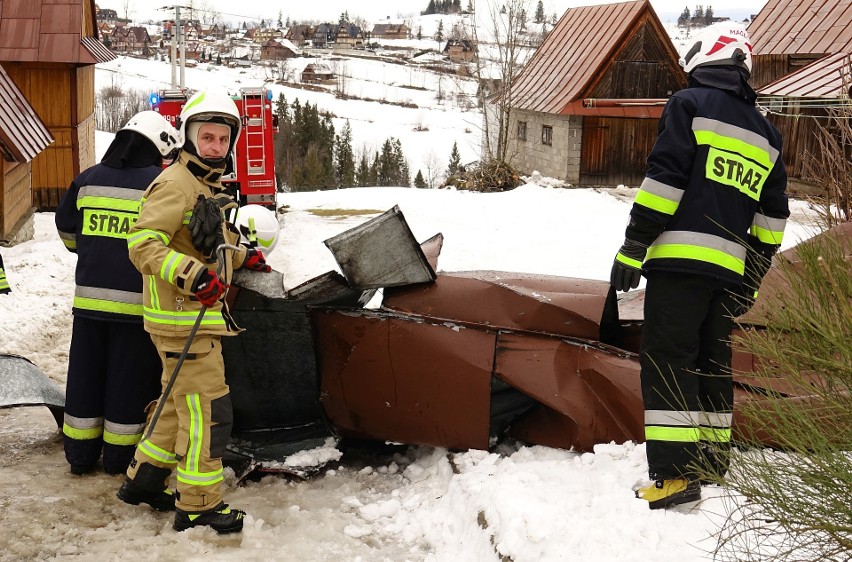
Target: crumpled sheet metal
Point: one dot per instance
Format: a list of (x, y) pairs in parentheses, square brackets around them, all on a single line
[(23, 384), (388, 377), (581, 308), (596, 389)]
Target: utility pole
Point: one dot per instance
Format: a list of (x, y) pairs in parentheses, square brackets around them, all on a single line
[(178, 41)]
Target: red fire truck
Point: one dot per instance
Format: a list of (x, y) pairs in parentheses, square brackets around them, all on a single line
[(253, 174)]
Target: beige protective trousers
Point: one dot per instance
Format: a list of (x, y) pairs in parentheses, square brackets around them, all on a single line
[(193, 428)]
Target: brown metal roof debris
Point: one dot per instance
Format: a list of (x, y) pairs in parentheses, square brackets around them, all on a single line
[(828, 77), (802, 27), (22, 132)]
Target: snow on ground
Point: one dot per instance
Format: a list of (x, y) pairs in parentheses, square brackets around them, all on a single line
[(527, 504)]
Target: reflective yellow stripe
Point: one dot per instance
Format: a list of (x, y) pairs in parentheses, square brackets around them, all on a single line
[(636, 264), (698, 253), (157, 453), (186, 216), (656, 202), (735, 145), (767, 229), (152, 293), (170, 266), (673, 434), (101, 305), (196, 432), (200, 478), (119, 439), (715, 434), (183, 318), (146, 234), (111, 203), (82, 434)]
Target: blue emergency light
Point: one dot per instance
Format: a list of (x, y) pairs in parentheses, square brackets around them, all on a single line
[(154, 98)]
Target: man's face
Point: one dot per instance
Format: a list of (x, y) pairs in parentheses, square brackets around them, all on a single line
[(213, 140)]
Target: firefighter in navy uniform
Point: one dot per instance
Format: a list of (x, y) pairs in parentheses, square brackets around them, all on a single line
[(173, 244), (707, 219), (113, 367), (4, 282)]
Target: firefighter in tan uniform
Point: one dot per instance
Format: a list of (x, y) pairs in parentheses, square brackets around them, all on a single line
[(180, 278)]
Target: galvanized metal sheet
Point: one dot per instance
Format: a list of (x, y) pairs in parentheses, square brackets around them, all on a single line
[(23, 384), (382, 252), (22, 132)]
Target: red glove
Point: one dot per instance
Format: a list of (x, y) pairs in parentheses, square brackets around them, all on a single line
[(208, 288), (256, 261)]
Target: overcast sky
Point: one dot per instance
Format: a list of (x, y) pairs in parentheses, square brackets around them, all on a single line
[(374, 10)]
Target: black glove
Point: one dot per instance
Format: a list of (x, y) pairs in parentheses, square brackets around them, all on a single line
[(205, 226), (756, 266), (627, 266)]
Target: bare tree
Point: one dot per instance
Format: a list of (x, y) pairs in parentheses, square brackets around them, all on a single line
[(506, 24), (433, 169)]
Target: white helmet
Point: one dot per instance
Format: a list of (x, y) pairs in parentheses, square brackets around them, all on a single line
[(155, 128), (258, 224), (723, 43), (214, 106)]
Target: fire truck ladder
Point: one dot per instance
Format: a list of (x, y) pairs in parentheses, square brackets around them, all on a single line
[(254, 129)]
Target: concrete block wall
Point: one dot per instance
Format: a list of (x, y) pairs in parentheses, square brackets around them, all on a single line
[(561, 159)]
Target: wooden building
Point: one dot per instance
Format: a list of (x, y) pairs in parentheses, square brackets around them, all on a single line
[(789, 34), (317, 73), (460, 50), (390, 31), (585, 108), (801, 69), (49, 49), (22, 137), (278, 49), (349, 36)]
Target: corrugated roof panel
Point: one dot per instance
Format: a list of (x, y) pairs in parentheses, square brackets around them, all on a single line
[(21, 130), (802, 27), (564, 64), (98, 51), (826, 78)]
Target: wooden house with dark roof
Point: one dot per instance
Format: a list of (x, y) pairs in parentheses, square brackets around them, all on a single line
[(801, 52), (585, 108), (49, 49), (22, 137)]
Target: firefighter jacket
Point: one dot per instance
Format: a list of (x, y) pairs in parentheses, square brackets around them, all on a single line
[(161, 247), (93, 220), (715, 186), (4, 283)]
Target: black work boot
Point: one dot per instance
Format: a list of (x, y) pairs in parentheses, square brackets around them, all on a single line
[(221, 518), (132, 493)]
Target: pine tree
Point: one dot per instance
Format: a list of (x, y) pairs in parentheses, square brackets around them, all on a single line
[(455, 161), (708, 15), (439, 34), (683, 20), (344, 157), (373, 175), (430, 8), (362, 176), (419, 181), (539, 12), (469, 6), (280, 22)]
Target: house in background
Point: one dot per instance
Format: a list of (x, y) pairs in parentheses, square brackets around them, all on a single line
[(22, 137), (317, 73), (49, 49), (460, 50), (349, 36), (801, 69), (278, 49), (389, 30), (586, 106)]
